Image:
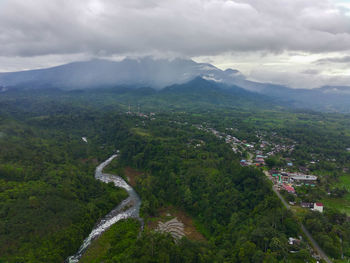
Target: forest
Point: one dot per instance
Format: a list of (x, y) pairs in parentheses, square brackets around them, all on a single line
[(50, 200)]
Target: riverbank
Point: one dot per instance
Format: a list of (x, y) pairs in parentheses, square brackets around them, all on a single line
[(128, 208)]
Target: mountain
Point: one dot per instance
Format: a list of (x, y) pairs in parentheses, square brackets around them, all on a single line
[(327, 98), (341, 90), (147, 71), (204, 93), (157, 73), (162, 73)]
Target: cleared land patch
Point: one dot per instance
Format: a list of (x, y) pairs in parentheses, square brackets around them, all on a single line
[(169, 213)]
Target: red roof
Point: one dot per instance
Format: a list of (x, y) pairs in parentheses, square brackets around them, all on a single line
[(319, 204), (289, 188)]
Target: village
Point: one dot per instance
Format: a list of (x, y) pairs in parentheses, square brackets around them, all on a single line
[(283, 179), (294, 180)]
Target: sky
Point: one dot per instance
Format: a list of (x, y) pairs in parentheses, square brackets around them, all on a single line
[(299, 43)]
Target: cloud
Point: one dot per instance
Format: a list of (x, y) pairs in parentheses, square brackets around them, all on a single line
[(310, 71), (298, 79), (344, 59), (294, 42), (182, 27)]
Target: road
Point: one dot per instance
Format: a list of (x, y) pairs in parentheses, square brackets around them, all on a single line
[(306, 232)]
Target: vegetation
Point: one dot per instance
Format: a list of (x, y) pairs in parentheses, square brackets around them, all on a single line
[(49, 199)]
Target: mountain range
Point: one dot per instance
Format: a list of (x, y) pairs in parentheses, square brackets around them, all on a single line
[(161, 73)]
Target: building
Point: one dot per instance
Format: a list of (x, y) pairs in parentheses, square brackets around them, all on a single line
[(306, 205), (303, 178), (244, 163), (289, 189), (274, 172), (293, 241), (259, 160), (318, 207)]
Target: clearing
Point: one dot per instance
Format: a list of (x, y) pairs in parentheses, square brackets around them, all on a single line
[(168, 213)]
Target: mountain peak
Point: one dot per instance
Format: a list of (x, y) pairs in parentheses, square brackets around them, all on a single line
[(143, 71), (232, 71)]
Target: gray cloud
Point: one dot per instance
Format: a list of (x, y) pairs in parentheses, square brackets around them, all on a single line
[(344, 59), (294, 42), (310, 71), (182, 27), (297, 79)]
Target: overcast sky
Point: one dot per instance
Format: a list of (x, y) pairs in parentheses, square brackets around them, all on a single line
[(300, 43)]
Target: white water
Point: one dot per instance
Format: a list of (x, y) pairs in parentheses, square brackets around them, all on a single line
[(133, 203)]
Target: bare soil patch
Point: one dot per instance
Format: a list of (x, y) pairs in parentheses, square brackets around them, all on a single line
[(167, 213)]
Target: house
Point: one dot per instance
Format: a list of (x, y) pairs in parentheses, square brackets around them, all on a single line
[(259, 160), (318, 207), (244, 163), (285, 179), (260, 156), (293, 241), (274, 172), (303, 178), (289, 188), (306, 205)]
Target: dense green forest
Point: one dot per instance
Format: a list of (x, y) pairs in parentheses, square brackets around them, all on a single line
[(50, 200)]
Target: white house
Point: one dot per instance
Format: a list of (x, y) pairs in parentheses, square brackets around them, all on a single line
[(318, 207)]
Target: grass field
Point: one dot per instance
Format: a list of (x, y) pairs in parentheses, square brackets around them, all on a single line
[(345, 182), (342, 204), (141, 132)]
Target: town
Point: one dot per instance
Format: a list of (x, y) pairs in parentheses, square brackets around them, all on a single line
[(284, 179)]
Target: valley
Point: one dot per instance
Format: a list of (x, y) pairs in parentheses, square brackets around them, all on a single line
[(188, 131), (184, 158)]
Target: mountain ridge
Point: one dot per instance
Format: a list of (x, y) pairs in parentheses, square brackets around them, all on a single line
[(162, 73)]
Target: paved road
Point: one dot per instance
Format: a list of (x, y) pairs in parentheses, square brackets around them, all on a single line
[(315, 245), (306, 232)]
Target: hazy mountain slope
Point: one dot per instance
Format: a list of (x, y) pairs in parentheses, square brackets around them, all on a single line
[(161, 73), (201, 91), (157, 73), (195, 94), (146, 71), (332, 99)]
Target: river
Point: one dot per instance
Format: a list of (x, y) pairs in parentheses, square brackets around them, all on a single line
[(128, 208)]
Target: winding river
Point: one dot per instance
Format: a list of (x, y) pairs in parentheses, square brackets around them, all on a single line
[(129, 208)]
